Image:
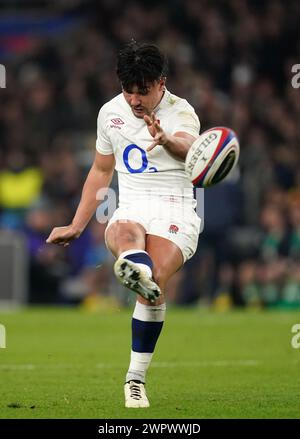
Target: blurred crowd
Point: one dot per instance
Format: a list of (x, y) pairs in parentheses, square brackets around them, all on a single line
[(232, 61)]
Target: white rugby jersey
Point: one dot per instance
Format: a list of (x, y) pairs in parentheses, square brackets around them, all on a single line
[(121, 133)]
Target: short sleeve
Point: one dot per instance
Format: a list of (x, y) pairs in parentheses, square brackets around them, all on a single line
[(103, 144), (186, 120)]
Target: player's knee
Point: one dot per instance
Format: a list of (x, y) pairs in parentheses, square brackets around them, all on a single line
[(121, 236), (129, 237)]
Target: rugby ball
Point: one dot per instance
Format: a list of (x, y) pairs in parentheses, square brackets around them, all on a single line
[(212, 156)]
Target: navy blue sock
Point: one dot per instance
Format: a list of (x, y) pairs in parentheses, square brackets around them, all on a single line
[(139, 257), (147, 323)]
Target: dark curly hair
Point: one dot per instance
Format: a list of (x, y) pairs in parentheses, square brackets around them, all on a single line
[(140, 64)]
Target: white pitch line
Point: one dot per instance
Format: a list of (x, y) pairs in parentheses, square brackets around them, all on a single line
[(169, 364), (17, 366), (157, 364), (219, 363)]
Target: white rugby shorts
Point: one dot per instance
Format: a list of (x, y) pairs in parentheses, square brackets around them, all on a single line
[(167, 216)]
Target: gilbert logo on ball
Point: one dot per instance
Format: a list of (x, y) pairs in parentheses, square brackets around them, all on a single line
[(212, 156)]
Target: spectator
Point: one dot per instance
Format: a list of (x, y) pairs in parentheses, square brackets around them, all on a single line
[(20, 186)]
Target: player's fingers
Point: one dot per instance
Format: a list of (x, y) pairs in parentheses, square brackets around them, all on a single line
[(50, 240), (50, 237), (58, 240), (153, 145), (148, 120), (157, 127), (154, 119), (157, 141), (63, 242)]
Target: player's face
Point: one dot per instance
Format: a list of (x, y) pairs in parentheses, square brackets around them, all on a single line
[(144, 101)]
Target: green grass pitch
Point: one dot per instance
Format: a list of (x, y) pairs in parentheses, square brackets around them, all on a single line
[(70, 363)]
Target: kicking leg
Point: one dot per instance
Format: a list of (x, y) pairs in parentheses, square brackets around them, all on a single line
[(133, 267)]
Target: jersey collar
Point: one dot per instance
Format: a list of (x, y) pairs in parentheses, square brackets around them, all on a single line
[(162, 102)]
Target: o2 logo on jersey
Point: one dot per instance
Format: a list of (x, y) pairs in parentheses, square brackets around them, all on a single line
[(144, 160)]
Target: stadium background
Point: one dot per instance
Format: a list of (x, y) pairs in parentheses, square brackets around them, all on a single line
[(232, 60)]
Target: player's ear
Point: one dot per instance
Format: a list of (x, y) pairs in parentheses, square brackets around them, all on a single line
[(162, 83)]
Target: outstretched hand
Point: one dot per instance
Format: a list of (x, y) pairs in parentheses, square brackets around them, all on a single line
[(63, 235), (156, 131)]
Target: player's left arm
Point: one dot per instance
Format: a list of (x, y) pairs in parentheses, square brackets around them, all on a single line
[(176, 144)]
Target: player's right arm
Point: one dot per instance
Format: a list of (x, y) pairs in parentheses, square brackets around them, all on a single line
[(99, 176)]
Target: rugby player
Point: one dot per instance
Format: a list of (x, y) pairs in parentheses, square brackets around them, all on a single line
[(144, 133)]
